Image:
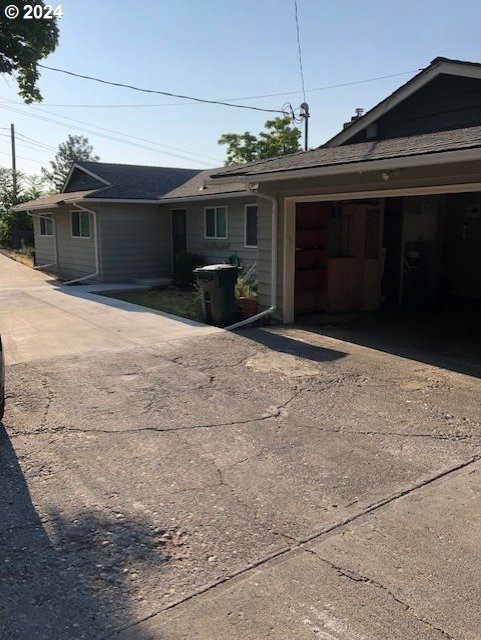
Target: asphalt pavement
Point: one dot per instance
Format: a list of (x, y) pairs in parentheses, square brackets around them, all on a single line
[(269, 483)]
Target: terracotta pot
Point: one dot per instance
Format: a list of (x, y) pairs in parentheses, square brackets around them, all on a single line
[(248, 307)]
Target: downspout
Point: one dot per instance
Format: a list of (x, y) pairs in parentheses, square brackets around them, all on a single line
[(96, 247), (54, 225), (273, 307)]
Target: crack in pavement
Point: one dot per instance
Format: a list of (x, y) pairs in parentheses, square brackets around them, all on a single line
[(301, 545), (355, 576)]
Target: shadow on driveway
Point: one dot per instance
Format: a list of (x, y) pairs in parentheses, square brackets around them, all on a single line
[(291, 346), (72, 583)]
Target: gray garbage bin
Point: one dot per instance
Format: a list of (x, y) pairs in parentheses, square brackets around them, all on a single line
[(217, 283)]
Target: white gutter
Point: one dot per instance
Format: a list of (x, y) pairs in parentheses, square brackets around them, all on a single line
[(273, 306), (96, 246), (205, 196), (54, 225), (360, 166)]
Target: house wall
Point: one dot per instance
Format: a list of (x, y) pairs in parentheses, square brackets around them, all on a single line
[(217, 251), (44, 245), (448, 174), (76, 256), (447, 102), (135, 241)]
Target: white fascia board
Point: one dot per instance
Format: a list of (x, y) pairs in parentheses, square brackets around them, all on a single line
[(400, 95), (203, 197), (116, 200), (364, 166)]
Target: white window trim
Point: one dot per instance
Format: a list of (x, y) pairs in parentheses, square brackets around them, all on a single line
[(250, 246), (219, 206), (79, 237), (44, 216)]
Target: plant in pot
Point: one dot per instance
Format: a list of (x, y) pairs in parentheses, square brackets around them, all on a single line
[(246, 293)]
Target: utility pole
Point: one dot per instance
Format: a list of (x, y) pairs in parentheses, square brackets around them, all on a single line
[(305, 114), (14, 162)]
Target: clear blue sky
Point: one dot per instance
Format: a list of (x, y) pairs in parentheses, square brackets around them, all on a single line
[(224, 50)]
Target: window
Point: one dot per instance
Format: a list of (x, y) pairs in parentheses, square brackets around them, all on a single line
[(251, 226), (46, 225), (80, 224), (216, 222)]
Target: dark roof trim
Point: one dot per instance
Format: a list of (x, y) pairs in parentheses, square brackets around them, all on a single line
[(90, 173)]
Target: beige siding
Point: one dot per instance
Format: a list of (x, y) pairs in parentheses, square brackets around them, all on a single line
[(135, 241), (44, 245), (216, 251), (76, 256)]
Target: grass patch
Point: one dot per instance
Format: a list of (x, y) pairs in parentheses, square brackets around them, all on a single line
[(25, 256), (185, 304)]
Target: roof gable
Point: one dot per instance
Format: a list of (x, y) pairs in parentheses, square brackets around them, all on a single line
[(438, 67)]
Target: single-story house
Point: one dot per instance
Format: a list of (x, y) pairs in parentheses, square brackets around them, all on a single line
[(387, 212), (119, 223)]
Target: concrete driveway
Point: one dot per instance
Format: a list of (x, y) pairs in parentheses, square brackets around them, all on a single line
[(274, 483), (42, 318)]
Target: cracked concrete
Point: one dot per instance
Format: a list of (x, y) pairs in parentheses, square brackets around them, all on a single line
[(265, 484)]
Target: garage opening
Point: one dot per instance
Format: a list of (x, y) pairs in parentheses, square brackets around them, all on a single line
[(413, 261)]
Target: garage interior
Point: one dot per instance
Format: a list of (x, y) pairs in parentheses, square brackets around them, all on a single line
[(414, 262)]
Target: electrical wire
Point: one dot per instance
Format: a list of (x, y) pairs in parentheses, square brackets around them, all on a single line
[(121, 133), (102, 135), (267, 95), (299, 52), (163, 93)]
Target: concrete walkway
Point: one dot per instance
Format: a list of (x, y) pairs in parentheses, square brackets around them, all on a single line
[(41, 318)]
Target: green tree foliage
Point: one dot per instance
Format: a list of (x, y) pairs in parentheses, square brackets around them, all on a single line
[(23, 43), (278, 139), (74, 149), (16, 228)]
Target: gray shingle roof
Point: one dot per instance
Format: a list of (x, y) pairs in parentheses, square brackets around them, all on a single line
[(52, 201), (364, 152), (195, 187), (130, 181)]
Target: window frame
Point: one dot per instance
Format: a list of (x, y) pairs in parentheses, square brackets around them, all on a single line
[(251, 246), (44, 217), (215, 208), (79, 213)]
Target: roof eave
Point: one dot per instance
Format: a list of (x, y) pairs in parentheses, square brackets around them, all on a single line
[(360, 166)]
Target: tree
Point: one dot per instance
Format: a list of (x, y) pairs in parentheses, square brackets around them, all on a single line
[(23, 43), (74, 149), (16, 227), (278, 139)]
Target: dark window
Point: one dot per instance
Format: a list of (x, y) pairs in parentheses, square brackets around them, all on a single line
[(46, 225), (251, 226), (80, 224), (216, 222)]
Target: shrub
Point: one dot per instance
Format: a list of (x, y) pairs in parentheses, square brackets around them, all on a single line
[(247, 285), (184, 266)]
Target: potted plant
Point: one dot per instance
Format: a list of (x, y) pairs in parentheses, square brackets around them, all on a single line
[(246, 293)]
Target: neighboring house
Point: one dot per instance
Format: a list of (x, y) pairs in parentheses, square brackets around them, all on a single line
[(386, 212), (118, 223)]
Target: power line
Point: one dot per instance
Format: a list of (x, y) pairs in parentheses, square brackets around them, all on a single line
[(126, 135), (299, 50), (101, 135), (266, 95), (163, 93), (22, 158)]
